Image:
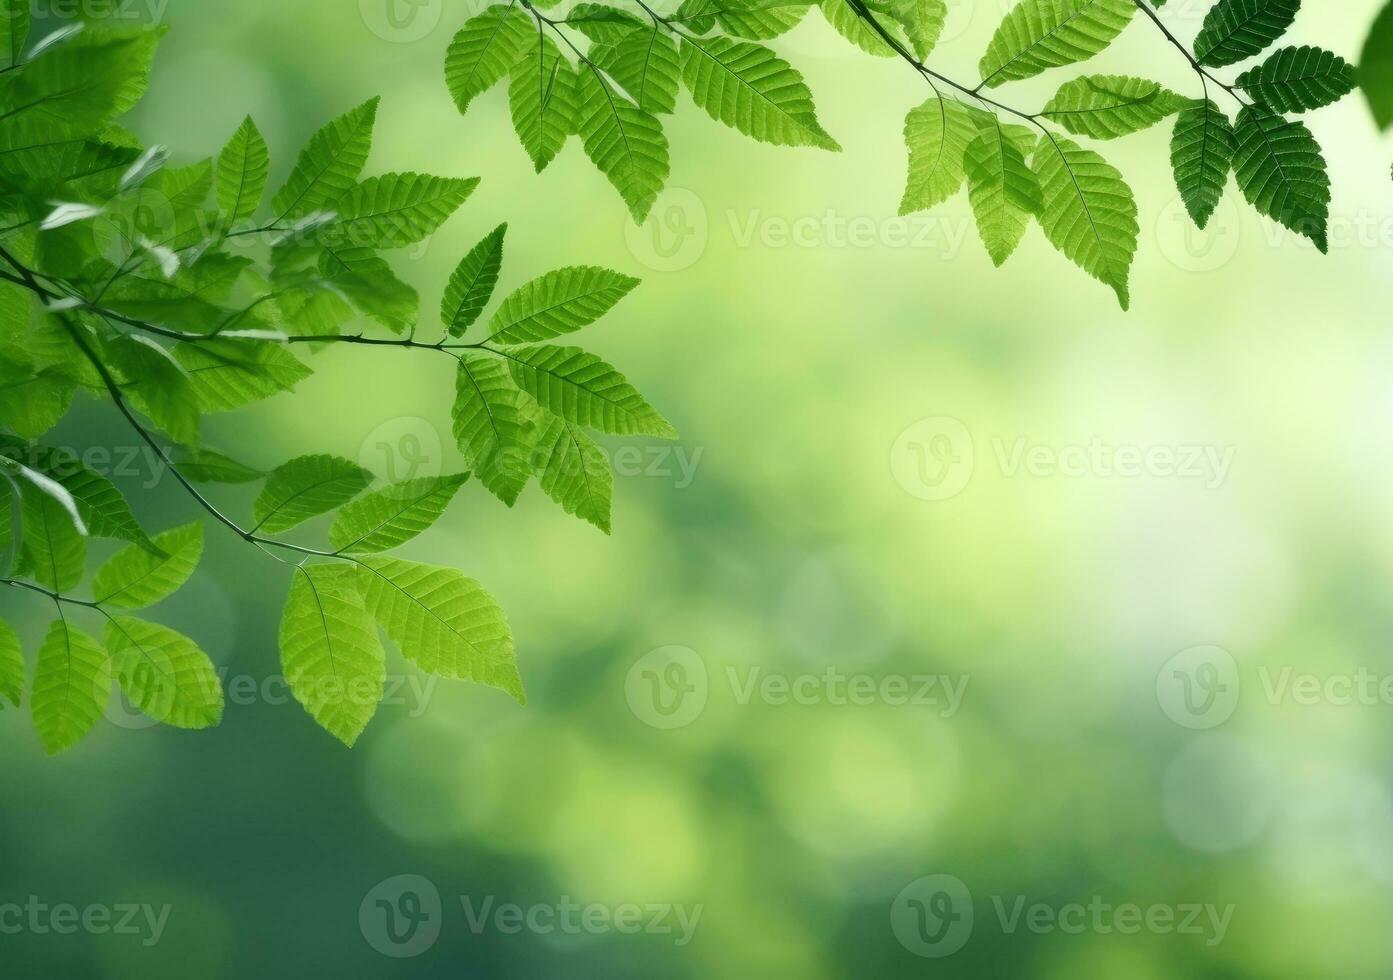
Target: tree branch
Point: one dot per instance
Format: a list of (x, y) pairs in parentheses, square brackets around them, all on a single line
[(1205, 75)]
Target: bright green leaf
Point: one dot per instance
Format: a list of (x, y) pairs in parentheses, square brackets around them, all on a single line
[(135, 577), (229, 373), (484, 50), (473, 283), (544, 101), (332, 658), (306, 487), (575, 472), (937, 134), (442, 621), (1088, 212), (329, 165), (393, 515), (559, 302), (1041, 34), (243, 167), (72, 682), (11, 666), (1109, 106), (646, 64), (493, 426), (164, 673), (396, 210), (1002, 188), (624, 142), (749, 87), (583, 389)]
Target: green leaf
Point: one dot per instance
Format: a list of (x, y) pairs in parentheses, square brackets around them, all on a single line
[(583, 389), (1376, 68), (937, 134), (749, 87), (1108, 106), (11, 666), (473, 283), (135, 578), (367, 280), (846, 22), (1281, 172), (393, 515), (624, 142), (559, 302), (1001, 186), (243, 167), (164, 673), (30, 481), (229, 373), (646, 64), (484, 50), (32, 400), (760, 20), (11, 524), (55, 543), (396, 210), (332, 658), (306, 487), (543, 101), (1298, 79), (157, 385), (75, 89), (442, 621), (208, 466), (1238, 29), (923, 22), (1201, 155), (329, 165), (575, 472), (1041, 34), (103, 510), (72, 682), (1088, 212), (493, 426), (14, 32), (601, 23)]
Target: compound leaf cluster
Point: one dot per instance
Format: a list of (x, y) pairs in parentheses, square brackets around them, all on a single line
[(177, 292)]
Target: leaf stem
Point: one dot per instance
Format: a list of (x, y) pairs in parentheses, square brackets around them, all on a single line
[(56, 597), (859, 8)]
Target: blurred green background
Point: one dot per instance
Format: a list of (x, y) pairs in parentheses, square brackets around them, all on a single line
[(860, 398)]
